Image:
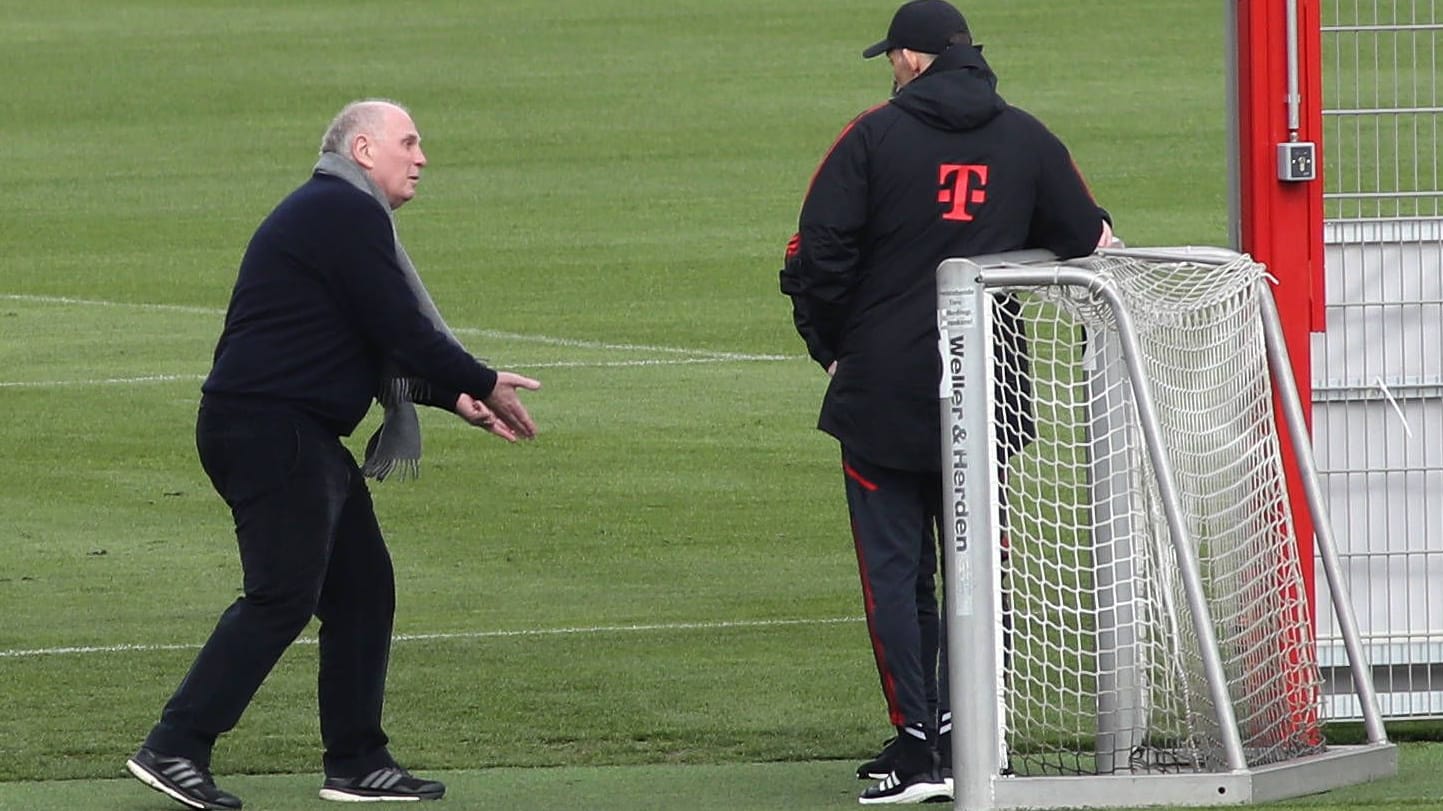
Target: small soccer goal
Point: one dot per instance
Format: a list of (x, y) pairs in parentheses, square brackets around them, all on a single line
[(1145, 638)]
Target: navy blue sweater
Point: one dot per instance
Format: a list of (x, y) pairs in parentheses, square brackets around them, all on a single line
[(319, 303)]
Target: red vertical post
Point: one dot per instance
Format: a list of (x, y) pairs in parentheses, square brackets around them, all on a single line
[(1282, 220), (1281, 225)]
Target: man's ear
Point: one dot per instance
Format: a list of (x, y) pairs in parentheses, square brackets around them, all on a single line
[(361, 151), (913, 60)]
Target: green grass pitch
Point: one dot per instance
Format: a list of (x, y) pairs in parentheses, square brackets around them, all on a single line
[(659, 595)]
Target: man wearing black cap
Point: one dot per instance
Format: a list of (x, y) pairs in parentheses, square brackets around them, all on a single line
[(945, 168)]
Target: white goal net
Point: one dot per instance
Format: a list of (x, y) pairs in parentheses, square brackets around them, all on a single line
[(1092, 571), (1148, 611)]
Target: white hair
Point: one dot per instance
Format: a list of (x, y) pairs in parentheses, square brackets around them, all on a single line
[(363, 116)]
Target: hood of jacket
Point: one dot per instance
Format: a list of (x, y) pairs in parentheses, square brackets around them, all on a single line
[(957, 92)]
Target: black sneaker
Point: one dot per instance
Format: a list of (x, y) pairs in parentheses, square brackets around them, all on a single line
[(915, 777), (927, 786), (390, 783), (944, 748), (180, 779), (881, 765)]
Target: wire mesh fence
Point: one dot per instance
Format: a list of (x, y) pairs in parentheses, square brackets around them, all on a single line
[(1378, 368)]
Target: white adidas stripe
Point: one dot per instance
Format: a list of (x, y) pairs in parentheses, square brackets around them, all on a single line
[(159, 785)]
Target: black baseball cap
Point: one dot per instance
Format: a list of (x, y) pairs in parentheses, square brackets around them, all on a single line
[(921, 25)]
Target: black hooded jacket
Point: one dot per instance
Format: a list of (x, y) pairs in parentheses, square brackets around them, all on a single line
[(945, 169)]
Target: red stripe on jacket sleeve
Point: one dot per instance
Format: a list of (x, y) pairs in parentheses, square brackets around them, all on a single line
[(843, 134)]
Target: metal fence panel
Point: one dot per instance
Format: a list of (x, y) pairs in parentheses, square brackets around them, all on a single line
[(1378, 369)]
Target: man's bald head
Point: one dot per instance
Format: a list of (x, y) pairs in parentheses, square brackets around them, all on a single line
[(364, 116), (380, 137)]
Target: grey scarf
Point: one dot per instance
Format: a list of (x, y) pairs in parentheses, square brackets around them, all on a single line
[(396, 445)]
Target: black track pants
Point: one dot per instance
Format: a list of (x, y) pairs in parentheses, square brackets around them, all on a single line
[(895, 529)]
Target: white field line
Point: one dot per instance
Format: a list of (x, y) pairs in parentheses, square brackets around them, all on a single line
[(609, 364), (104, 381), (521, 365), (594, 630), (84, 302), (485, 333), (582, 344)]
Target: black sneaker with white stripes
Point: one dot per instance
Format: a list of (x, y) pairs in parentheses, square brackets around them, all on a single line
[(881, 765), (180, 779), (944, 748), (922, 787), (914, 776), (390, 783)]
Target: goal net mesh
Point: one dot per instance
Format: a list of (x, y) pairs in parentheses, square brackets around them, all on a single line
[(1101, 656)]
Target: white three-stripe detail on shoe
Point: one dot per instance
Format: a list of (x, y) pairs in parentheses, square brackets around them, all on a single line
[(154, 781), (382, 779), (183, 774)]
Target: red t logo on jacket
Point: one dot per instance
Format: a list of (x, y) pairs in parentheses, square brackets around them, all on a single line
[(963, 185)]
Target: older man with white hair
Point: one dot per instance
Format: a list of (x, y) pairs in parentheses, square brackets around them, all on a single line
[(327, 313)]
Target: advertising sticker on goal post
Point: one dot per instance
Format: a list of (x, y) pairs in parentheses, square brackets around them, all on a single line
[(964, 328), (971, 572)]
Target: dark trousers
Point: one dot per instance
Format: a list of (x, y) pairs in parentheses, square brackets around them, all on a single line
[(895, 530), (309, 546)]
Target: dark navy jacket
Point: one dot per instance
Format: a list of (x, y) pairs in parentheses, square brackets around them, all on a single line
[(319, 303), (945, 169)]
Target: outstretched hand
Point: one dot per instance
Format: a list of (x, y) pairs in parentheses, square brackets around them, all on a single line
[(476, 413), (501, 413), (507, 405)]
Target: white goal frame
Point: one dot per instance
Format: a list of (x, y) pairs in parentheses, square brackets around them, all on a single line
[(972, 533)]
